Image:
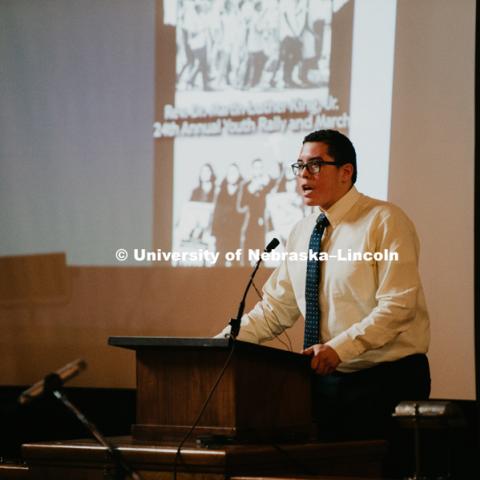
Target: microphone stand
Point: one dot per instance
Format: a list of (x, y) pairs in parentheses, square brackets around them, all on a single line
[(53, 384), (235, 322)]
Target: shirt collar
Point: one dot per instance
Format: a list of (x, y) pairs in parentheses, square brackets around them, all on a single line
[(338, 210)]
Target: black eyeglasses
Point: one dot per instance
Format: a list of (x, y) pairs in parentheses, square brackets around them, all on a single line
[(313, 166)]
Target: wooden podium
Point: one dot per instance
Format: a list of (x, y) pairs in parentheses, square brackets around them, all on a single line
[(264, 394), (257, 422)]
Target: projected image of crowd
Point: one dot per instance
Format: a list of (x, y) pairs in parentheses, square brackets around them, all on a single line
[(237, 213), (253, 44)]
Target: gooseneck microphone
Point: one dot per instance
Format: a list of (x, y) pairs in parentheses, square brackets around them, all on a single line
[(67, 372), (235, 322), (52, 384)]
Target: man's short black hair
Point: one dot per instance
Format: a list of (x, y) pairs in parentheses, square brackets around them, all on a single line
[(339, 147)]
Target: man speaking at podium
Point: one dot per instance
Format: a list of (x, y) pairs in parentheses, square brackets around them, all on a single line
[(366, 322)]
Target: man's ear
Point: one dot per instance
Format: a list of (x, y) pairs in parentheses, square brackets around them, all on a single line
[(347, 172)]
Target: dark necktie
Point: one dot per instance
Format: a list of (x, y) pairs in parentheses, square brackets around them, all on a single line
[(312, 286)]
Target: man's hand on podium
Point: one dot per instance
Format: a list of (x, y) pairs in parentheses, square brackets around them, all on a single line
[(325, 359)]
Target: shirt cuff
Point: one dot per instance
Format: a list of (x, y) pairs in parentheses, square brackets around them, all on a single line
[(224, 333), (245, 334), (346, 348)]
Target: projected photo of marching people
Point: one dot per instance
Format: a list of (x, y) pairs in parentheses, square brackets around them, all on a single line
[(253, 44)]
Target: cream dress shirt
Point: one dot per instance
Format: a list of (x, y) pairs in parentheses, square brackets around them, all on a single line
[(372, 311)]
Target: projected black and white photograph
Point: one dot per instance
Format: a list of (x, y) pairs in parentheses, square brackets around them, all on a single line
[(257, 71), (253, 44), (236, 201)]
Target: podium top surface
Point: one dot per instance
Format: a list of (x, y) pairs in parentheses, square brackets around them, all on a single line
[(143, 342), (153, 342)]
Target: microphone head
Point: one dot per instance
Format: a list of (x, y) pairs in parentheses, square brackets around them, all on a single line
[(62, 375), (274, 243)]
